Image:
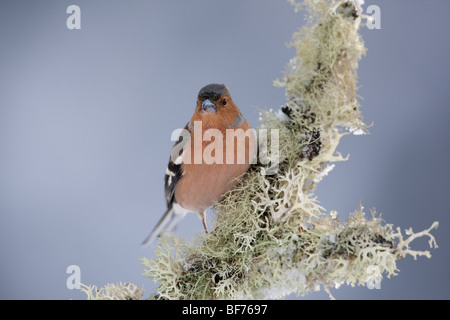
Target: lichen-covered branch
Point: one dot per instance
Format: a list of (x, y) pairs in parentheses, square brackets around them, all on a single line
[(271, 236), (120, 291)]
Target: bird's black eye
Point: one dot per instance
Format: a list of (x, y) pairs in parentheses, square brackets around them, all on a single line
[(224, 101)]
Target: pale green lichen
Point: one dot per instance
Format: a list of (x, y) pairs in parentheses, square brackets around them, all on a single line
[(120, 291), (271, 237)]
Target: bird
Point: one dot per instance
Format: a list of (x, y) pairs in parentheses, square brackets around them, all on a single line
[(213, 152)]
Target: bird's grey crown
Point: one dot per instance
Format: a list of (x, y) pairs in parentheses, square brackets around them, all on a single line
[(213, 92)]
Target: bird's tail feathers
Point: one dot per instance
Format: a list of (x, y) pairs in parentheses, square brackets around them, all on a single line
[(167, 222)]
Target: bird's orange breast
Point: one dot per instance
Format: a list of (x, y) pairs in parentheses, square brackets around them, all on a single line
[(225, 154)]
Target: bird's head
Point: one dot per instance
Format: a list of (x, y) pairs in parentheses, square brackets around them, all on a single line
[(213, 97), (216, 109)]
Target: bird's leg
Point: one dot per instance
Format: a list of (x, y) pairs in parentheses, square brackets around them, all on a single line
[(203, 218)]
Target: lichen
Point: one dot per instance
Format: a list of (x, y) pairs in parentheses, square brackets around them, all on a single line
[(271, 237), (120, 291)]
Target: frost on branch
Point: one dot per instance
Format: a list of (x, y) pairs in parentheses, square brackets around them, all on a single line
[(271, 237)]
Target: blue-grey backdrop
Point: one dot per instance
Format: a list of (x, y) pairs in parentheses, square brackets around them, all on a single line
[(86, 117)]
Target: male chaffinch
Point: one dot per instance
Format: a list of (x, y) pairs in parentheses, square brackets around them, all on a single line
[(206, 162)]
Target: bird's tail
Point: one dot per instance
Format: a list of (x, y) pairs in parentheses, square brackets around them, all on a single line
[(167, 222)]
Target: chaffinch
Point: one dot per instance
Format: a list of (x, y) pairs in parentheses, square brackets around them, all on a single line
[(206, 161)]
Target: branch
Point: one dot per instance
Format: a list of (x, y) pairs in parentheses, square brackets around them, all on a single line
[(271, 237)]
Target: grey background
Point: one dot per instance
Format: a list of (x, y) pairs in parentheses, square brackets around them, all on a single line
[(86, 117)]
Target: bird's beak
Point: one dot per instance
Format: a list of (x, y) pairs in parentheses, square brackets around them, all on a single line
[(209, 106)]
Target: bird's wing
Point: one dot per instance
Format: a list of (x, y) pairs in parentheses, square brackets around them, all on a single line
[(174, 170)]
